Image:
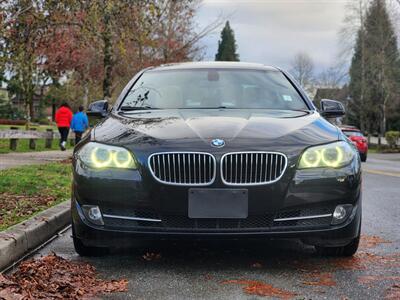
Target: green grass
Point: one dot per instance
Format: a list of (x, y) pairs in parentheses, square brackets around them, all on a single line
[(27, 190)]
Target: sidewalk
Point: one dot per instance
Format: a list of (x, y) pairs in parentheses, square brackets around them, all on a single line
[(11, 160)]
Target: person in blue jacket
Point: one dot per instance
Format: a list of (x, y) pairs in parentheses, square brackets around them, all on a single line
[(79, 124)]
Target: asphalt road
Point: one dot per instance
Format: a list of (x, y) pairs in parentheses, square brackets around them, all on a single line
[(209, 270)]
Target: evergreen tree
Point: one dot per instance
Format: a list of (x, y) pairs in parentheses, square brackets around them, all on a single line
[(360, 111), (227, 45), (375, 71)]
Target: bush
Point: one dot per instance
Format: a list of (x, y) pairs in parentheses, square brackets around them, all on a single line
[(392, 138), (9, 112), (44, 121)]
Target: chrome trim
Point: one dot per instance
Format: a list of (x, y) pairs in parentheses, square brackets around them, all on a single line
[(267, 164), (130, 218), (211, 158), (303, 218)]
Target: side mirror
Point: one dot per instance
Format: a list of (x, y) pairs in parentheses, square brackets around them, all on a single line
[(98, 109), (331, 108)]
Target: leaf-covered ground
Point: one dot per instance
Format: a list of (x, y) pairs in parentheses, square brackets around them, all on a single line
[(52, 277), (320, 276), (28, 190)]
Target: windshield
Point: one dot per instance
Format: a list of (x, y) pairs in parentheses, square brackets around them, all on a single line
[(213, 88)]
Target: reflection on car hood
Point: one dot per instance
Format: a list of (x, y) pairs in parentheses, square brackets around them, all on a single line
[(200, 126)]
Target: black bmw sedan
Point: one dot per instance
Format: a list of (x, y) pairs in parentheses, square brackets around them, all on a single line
[(215, 150)]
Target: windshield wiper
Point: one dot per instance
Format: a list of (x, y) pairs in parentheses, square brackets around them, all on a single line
[(132, 108)]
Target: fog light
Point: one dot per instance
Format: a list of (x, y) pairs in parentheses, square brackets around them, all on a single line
[(341, 213), (93, 213)]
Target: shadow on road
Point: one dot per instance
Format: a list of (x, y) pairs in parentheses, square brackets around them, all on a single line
[(226, 254)]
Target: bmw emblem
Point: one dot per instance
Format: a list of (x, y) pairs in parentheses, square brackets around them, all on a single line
[(218, 143)]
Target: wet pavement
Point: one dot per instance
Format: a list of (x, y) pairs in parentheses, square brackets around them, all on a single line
[(281, 269)]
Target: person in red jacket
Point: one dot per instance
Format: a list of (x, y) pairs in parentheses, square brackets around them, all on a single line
[(63, 120)]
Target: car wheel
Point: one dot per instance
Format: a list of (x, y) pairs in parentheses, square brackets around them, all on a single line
[(347, 250), (83, 250), (363, 157)]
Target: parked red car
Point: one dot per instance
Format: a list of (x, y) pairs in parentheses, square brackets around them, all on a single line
[(358, 139)]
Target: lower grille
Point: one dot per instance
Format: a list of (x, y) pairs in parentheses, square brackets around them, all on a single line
[(251, 222), (325, 218), (254, 222)]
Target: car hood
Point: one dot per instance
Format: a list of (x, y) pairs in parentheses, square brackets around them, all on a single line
[(196, 128)]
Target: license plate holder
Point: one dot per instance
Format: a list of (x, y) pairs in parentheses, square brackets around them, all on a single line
[(218, 203)]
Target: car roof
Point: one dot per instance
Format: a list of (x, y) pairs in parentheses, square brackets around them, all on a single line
[(214, 65)]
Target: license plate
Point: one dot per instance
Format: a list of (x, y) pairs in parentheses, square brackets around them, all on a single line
[(218, 203)]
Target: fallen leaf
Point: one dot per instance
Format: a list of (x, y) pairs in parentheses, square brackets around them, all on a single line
[(259, 288), (371, 241), (365, 260), (150, 256), (320, 279), (208, 277), (366, 279), (256, 265), (53, 277), (393, 293)]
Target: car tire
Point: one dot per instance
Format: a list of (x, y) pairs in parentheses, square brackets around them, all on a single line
[(83, 250), (348, 250), (363, 157)]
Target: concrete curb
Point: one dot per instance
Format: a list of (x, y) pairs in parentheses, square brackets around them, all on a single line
[(25, 236)]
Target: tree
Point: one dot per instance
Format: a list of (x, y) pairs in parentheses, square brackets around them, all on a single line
[(383, 62), (302, 69), (23, 25), (93, 46), (129, 35), (361, 112), (332, 77), (353, 27), (227, 45), (375, 71)]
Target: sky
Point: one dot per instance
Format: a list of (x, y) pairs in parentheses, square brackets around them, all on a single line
[(273, 31)]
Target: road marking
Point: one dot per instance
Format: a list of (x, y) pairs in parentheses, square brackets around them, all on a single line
[(381, 173)]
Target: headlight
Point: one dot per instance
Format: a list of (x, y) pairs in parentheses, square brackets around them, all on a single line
[(100, 156), (332, 155)]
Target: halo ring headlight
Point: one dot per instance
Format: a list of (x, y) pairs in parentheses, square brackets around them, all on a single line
[(100, 163), (100, 156), (333, 155), (122, 162), (332, 162), (309, 161)]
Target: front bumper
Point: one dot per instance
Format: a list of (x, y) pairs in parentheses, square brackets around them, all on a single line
[(97, 236), (297, 193)]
